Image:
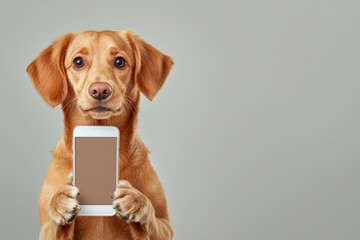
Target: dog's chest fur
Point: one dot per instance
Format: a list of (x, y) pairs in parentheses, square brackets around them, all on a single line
[(105, 228)]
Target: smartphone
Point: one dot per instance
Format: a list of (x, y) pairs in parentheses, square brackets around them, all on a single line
[(96, 168)]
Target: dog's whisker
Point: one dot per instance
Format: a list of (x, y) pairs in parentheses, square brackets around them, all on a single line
[(129, 105), (130, 98), (66, 105), (74, 103), (131, 101), (70, 105)]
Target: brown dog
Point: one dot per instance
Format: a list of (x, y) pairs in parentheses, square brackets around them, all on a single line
[(98, 77)]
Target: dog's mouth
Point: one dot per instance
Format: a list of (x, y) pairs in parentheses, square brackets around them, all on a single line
[(101, 112), (99, 109)]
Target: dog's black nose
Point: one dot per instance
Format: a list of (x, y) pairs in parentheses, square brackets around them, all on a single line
[(100, 91)]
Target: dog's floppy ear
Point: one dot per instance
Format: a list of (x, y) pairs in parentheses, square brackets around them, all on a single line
[(151, 66), (47, 71)]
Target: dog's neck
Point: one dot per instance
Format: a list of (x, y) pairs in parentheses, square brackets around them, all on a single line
[(125, 122)]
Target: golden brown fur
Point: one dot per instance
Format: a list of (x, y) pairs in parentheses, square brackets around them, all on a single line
[(139, 199)]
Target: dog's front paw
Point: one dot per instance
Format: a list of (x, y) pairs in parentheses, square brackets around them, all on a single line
[(131, 205), (64, 207)]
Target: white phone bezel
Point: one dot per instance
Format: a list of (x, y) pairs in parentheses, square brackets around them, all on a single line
[(96, 131)]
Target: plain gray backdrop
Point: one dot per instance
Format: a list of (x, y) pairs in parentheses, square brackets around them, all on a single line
[(255, 135)]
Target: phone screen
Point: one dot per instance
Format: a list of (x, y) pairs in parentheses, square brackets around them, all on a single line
[(95, 169)]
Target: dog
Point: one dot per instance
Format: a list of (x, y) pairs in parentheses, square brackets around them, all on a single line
[(97, 77)]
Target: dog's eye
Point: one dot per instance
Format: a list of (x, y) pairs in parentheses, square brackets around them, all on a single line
[(120, 62), (78, 62)]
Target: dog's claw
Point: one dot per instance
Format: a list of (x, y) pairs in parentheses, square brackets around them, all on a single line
[(124, 217), (71, 218)]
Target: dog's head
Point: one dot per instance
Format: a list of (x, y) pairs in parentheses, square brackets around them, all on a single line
[(101, 70)]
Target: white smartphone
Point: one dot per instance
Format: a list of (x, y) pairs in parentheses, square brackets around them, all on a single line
[(96, 168)]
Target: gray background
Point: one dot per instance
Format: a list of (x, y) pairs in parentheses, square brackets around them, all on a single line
[(254, 136)]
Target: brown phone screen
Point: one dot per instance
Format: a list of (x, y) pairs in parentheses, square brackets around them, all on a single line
[(95, 169)]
